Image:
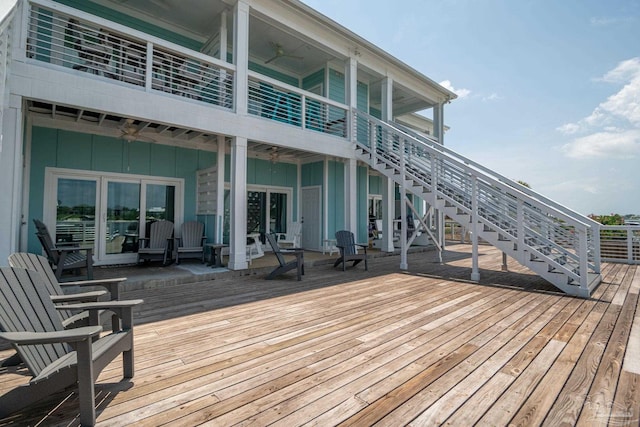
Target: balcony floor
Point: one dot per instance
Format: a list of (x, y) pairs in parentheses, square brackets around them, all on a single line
[(422, 347)]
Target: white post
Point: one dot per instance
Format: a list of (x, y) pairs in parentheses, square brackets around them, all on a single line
[(475, 271), (351, 69), (238, 217), (241, 56), (220, 189), (388, 212), (10, 176), (351, 198)]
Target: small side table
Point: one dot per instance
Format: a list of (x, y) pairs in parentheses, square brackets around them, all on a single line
[(329, 245), (215, 253)]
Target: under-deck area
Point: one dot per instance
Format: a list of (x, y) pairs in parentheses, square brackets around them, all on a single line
[(384, 347)]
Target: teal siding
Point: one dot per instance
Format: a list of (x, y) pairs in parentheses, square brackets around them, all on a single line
[(285, 78), (335, 190), (72, 150), (312, 174), (131, 22), (363, 97), (375, 113), (313, 80), (336, 86), (375, 184)]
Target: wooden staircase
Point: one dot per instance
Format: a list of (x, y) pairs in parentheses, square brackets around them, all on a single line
[(556, 243)]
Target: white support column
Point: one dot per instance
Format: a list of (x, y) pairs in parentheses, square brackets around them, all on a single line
[(438, 133), (475, 272), (389, 186), (351, 72), (241, 56), (325, 199), (223, 36), (403, 212), (11, 177), (220, 189), (351, 198), (388, 212), (238, 217)]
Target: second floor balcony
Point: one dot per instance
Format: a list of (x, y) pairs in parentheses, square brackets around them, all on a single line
[(289, 79)]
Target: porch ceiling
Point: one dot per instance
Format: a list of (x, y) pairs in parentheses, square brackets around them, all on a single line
[(136, 129)]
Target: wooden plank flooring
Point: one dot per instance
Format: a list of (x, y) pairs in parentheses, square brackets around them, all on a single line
[(383, 347)]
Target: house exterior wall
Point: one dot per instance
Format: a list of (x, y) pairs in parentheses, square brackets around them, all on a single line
[(73, 150)]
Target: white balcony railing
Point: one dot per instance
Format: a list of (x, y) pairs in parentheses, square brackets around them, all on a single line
[(279, 101), (620, 243), (63, 37), (128, 57)]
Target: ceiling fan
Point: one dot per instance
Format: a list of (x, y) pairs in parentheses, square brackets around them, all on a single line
[(130, 132), (280, 53), (274, 155)]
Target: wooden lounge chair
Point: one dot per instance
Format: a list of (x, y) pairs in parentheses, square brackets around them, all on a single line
[(191, 242), (349, 250), (297, 263), (65, 258), (29, 321), (292, 237), (157, 245), (58, 296)]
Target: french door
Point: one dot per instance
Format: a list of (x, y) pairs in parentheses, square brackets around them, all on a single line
[(110, 212)]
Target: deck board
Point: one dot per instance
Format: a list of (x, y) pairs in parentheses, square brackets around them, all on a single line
[(385, 347)]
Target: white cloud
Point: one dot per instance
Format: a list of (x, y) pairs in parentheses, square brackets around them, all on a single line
[(623, 144), (462, 93), (493, 97), (613, 128)]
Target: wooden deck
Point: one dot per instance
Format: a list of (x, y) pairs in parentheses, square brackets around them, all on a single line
[(423, 347)]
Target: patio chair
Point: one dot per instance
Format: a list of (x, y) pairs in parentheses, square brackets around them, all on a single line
[(29, 321), (297, 263), (157, 245), (69, 319), (191, 242), (349, 250), (63, 257), (292, 237)]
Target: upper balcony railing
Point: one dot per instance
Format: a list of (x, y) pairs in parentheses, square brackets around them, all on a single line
[(127, 56), (279, 101), (63, 37)]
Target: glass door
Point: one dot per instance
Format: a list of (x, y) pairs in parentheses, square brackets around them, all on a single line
[(122, 218), (110, 212), (76, 201)]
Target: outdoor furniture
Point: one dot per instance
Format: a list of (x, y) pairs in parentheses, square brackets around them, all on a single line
[(65, 258), (215, 253), (254, 247), (190, 244), (158, 244), (285, 266), (349, 250), (292, 237), (30, 322), (69, 319)]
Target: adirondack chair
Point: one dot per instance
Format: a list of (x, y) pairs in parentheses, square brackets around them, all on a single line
[(65, 258), (158, 244), (292, 237), (285, 266), (349, 250), (29, 321), (58, 296), (191, 242)]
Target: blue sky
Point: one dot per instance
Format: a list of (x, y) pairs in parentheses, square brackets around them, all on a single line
[(549, 90)]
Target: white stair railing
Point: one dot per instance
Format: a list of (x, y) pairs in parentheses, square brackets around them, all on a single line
[(528, 226)]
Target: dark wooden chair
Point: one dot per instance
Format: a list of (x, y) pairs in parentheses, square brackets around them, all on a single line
[(297, 263), (65, 257), (191, 242), (30, 322), (157, 245), (349, 250), (60, 296)]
